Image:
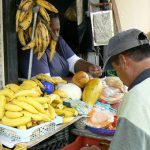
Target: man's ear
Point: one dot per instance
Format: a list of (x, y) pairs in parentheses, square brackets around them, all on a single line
[(122, 60)]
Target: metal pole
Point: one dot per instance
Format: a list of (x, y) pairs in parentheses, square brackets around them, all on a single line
[(35, 11)]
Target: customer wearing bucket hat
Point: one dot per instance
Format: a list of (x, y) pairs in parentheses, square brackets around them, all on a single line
[(128, 52)]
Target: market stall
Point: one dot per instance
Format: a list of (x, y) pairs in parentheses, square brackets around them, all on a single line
[(38, 108)]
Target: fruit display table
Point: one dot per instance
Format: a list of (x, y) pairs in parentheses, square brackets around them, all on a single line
[(87, 133)]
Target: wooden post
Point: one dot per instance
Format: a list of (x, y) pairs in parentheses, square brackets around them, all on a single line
[(116, 15)]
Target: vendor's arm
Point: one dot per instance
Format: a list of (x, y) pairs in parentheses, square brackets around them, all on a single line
[(76, 63), (82, 65)]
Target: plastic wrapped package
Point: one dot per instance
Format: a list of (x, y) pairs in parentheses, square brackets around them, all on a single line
[(100, 118), (113, 90)]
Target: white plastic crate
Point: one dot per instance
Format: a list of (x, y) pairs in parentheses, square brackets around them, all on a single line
[(10, 136)]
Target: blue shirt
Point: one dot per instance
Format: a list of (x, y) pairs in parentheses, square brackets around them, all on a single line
[(57, 67)]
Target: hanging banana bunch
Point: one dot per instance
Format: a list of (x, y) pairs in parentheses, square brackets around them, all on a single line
[(42, 35), (52, 48)]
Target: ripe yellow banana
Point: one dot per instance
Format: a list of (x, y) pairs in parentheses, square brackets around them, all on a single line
[(41, 122), (13, 115), (38, 40), (2, 112), (25, 9), (44, 14), (20, 147), (28, 84), (2, 101), (13, 107), (73, 110), (22, 127), (2, 105), (54, 104), (16, 122), (40, 54), (38, 90), (21, 37), (45, 117), (34, 117), (27, 21), (46, 36), (41, 100), (22, 2), (35, 50), (27, 6), (54, 98), (44, 77), (45, 106), (64, 113), (61, 93), (17, 19), (45, 39), (25, 106), (30, 32), (47, 5), (8, 93), (13, 87), (58, 80), (29, 124), (38, 82), (26, 36), (59, 106), (51, 112), (34, 103), (57, 101), (34, 123), (67, 119), (52, 48), (22, 16), (30, 45), (34, 92)]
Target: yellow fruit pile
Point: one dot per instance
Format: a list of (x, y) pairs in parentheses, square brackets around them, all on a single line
[(39, 39), (92, 88), (26, 106), (17, 147), (92, 91)]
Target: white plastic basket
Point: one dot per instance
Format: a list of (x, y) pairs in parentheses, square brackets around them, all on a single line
[(10, 136)]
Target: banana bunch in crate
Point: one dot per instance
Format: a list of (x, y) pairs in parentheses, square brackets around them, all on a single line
[(42, 34), (24, 106), (17, 147)]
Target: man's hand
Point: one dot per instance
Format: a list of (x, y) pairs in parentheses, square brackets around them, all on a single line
[(95, 71)]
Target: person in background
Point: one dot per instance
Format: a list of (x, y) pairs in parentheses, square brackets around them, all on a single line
[(64, 60), (128, 52)]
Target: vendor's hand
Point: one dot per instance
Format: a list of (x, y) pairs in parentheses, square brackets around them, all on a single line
[(95, 71)]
